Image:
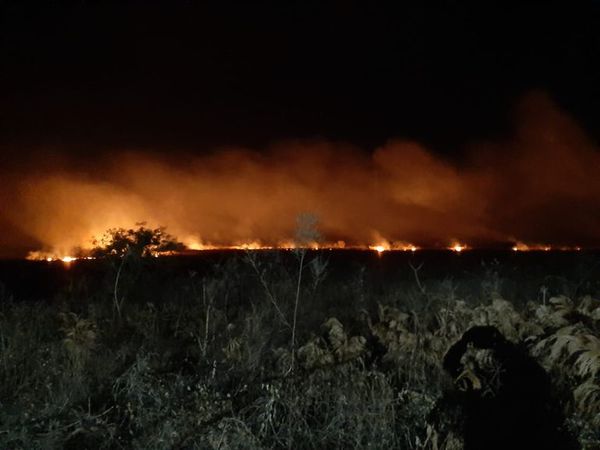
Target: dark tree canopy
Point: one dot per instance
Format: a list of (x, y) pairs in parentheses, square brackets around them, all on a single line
[(141, 242)]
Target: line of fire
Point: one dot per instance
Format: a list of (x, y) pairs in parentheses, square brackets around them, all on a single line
[(379, 248)]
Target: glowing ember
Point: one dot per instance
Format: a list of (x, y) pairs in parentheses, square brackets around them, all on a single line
[(522, 247), (380, 247), (458, 247), (383, 245), (54, 256)]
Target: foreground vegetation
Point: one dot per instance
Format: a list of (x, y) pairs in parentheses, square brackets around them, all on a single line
[(265, 350)]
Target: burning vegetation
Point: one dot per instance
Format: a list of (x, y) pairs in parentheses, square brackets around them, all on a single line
[(538, 186)]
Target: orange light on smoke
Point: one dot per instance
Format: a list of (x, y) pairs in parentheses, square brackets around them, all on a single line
[(522, 247), (458, 248), (384, 246), (227, 198)]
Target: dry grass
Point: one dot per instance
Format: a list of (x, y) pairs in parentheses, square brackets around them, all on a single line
[(207, 366)]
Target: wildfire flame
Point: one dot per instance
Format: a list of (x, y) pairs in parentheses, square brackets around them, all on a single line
[(458, 247), (55, 256), (196, 245), (398, 196), (522, 247), (380, 247)]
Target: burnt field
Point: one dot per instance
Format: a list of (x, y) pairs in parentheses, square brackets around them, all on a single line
[(302, 349)]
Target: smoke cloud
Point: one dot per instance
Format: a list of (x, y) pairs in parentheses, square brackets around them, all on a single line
[(541, 185)]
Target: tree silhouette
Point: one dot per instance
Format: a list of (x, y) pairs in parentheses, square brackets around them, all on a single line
[(140, 242)]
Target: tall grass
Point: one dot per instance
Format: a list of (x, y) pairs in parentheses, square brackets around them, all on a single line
[(202, 360)]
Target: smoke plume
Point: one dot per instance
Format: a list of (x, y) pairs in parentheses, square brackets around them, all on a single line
[(540, 185)]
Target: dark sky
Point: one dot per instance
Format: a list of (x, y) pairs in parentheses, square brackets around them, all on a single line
[(87, 76), (385, 121)]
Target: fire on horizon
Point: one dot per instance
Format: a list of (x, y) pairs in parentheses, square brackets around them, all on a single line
[(379, 249), (540, 192), (410, 127)]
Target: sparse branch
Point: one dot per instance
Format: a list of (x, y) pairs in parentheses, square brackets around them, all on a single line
[(297, 300), (207, 303), (261, 278), (118, 303), (318, 268), (416, 274), (306, 234)]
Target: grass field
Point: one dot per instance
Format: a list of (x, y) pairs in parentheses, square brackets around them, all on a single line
[(277, 350)]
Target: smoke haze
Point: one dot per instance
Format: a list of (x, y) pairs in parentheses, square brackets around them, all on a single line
[(540, 185)]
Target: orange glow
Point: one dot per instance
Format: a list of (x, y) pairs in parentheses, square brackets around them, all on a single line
[(522, 247), (387, 246), (458, 247), (400, 196), (291, 245), (192, 244), (51, 257)]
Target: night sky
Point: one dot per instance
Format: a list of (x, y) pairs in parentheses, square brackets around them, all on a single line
[(83, 82), (195, 75)]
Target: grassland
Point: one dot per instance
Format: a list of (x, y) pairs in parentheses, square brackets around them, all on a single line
[(265, 350)]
